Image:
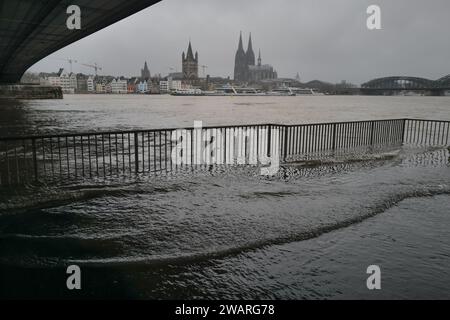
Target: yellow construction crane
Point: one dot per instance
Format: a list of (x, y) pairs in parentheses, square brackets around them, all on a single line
[(94, 66), (71, 61)]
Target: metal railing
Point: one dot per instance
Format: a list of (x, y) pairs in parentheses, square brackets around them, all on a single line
[(427, 132), (306, 139), (103, 154)]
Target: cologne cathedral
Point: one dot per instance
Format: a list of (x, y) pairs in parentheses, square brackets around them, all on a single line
[(245, 69)]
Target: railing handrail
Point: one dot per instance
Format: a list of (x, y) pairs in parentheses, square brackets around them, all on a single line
[(430, 120), (92, 133), (152, 150)]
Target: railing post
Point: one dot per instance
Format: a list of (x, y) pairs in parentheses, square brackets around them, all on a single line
[(285, 142), (257, 145), (35, 164), (269, 141), (136, 153), (334, 136), (225, 146), (371, 132), (404, 131)]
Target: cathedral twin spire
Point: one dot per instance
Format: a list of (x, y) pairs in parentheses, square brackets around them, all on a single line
[(240, 46), (243, 59), (250, 54)]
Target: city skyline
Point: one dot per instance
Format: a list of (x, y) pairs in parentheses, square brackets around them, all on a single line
[(298, 36)]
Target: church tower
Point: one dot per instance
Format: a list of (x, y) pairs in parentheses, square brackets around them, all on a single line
[(190, 64), (145, 73), (250, 54), (240, 62)]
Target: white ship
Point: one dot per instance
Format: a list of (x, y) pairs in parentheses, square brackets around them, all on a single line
[(306, 91), (281, 92), (187, 92), (230, 90)]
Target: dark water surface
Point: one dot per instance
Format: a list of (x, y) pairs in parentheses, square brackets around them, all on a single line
[(229, 232)]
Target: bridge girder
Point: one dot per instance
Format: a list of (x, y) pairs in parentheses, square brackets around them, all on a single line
[(445, 81), (30, 30), (407, 83)]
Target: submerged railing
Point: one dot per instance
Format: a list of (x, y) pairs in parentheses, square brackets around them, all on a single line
[(103, 154), (427, 132)]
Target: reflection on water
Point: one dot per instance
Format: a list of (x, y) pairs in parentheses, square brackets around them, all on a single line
[(308, 232)]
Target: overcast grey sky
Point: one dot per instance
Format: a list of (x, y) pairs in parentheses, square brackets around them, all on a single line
[(320, 39)]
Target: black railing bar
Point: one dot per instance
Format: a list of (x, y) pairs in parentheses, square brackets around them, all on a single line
[(69, 135), (185, 128)]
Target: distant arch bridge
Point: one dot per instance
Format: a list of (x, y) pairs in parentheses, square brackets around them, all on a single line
[(403, 83)]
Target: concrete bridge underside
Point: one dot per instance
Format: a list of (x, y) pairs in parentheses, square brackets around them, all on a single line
[(30, 30)]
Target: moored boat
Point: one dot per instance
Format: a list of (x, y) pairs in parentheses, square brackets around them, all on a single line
[(187, 92)]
